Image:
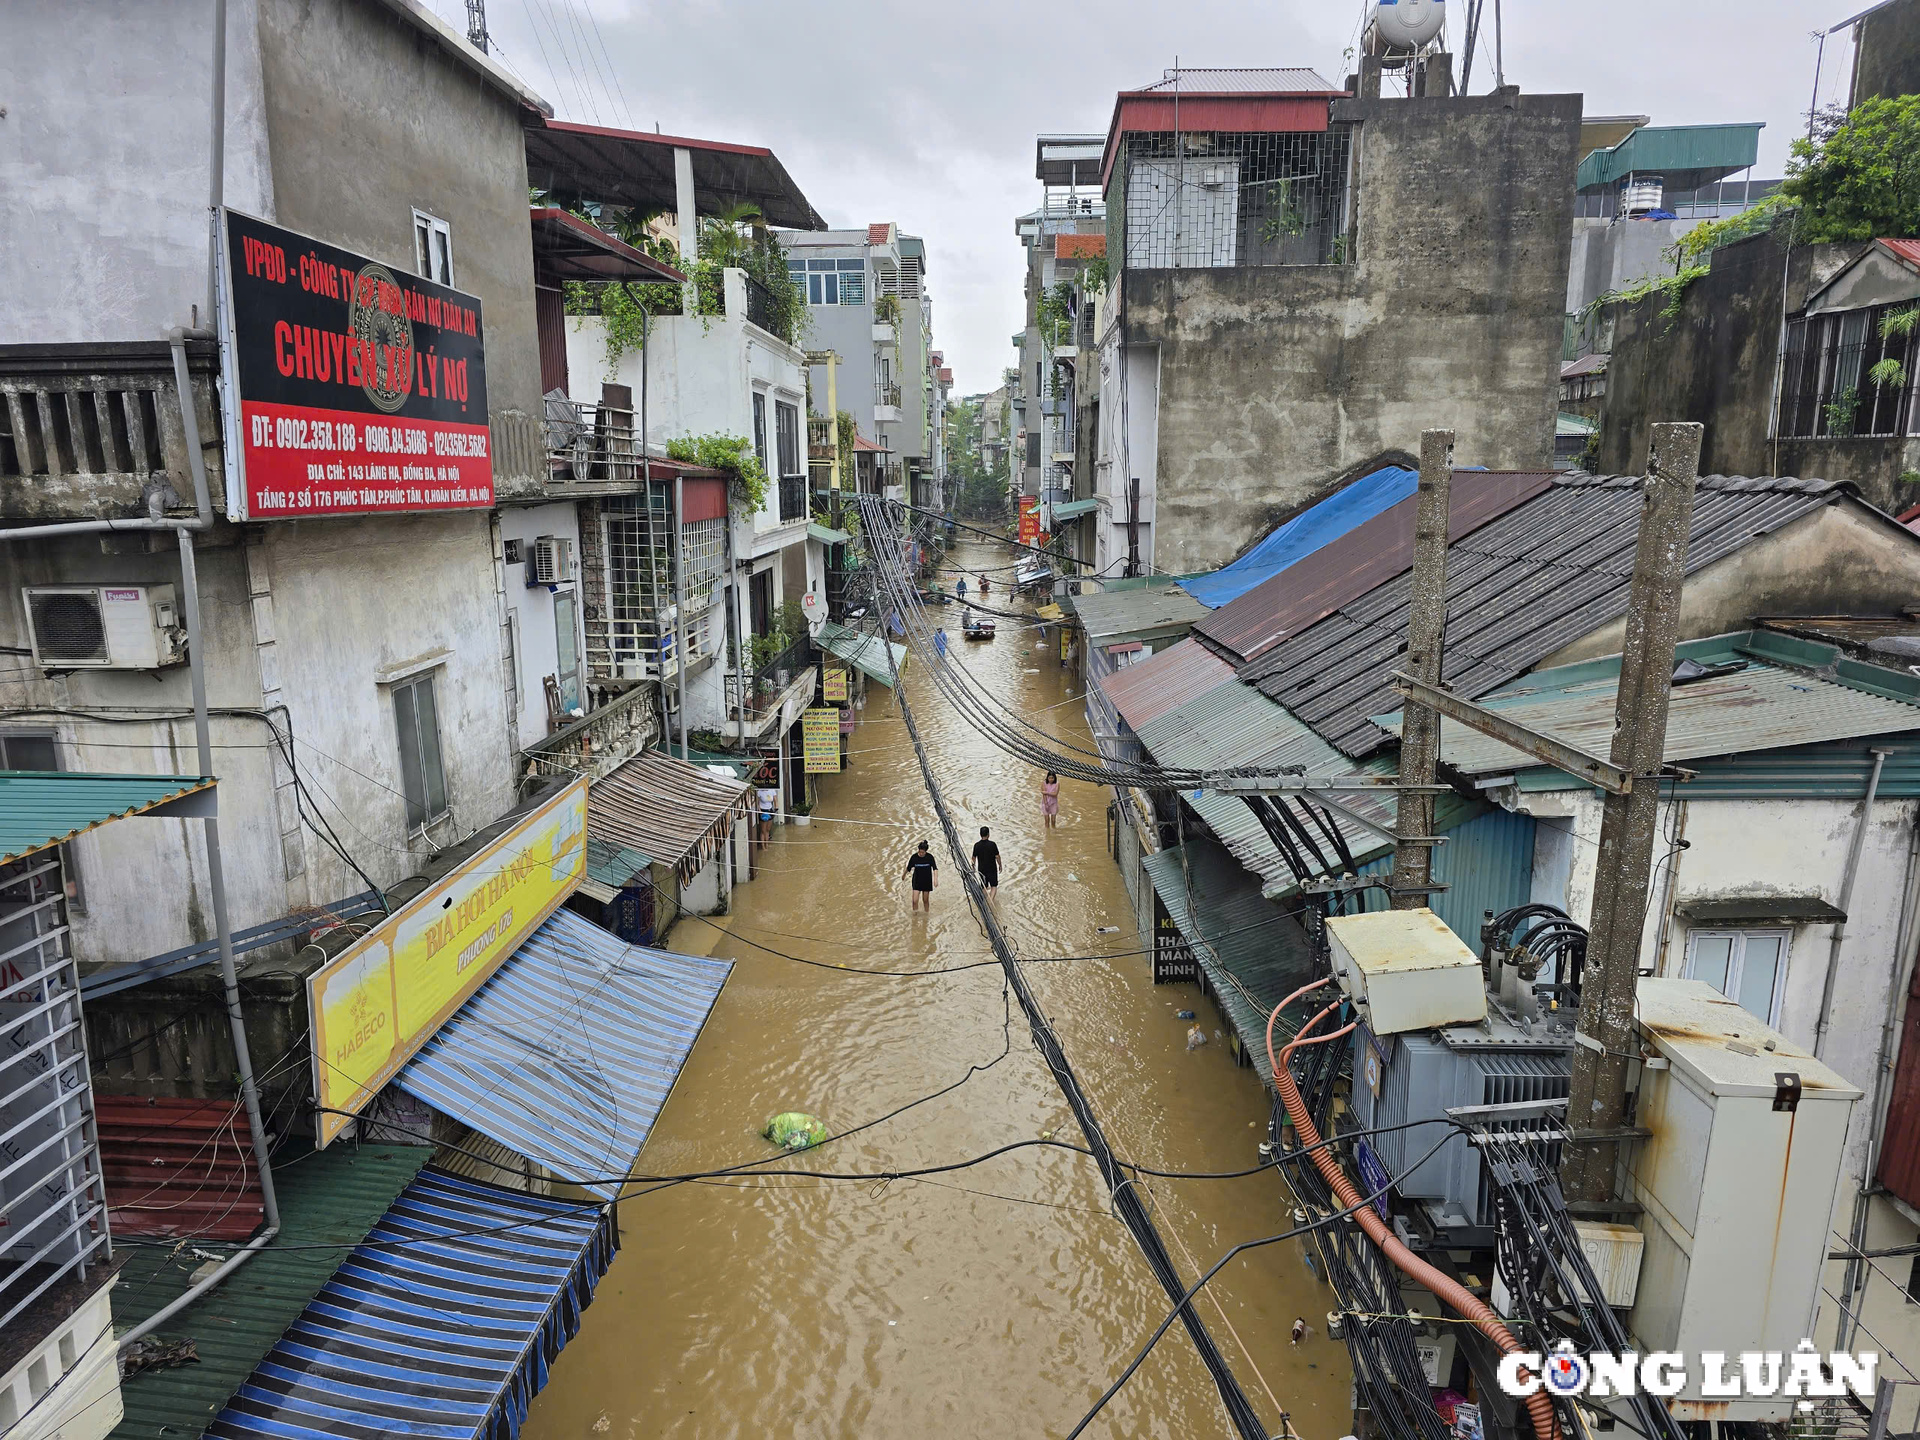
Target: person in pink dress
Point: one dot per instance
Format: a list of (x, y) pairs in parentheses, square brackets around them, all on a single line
[(1050, 799)]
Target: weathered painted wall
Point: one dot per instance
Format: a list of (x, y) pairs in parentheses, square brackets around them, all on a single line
[(1888, 58), (1274, 379), (537, 638), (349, 80), (104, 155), (1838, 560), (1715, 361)]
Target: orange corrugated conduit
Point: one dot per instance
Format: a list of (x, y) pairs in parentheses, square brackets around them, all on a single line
[(1545, 1424)]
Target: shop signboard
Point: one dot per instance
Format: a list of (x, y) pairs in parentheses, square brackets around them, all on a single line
[(820, 740), (383, 997), (353, 389), (1029, 520), (833, 685)]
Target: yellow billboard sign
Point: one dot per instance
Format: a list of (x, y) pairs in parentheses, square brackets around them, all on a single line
[(820, 741), (833, 685), (378, 1001)]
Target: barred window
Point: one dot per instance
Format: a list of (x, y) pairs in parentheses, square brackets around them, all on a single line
[(1209, 199), (705, 547), (1844, 377)]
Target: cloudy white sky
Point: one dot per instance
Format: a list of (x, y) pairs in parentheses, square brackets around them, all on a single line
[(927, 114)]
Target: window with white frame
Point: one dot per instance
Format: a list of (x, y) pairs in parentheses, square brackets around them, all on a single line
[(423, 778), (831, 282), (433, 247), (1747, 966)]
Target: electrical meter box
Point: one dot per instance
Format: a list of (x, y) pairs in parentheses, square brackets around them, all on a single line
[(1736, 1184), (1405, 970)]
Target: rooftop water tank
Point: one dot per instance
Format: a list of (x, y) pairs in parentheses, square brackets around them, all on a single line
[(1406, 24)]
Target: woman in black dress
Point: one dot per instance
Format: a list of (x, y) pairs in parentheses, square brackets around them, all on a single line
[(923, 870)]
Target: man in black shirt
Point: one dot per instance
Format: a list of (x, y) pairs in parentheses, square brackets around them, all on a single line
[(986, 859), (920, 868)]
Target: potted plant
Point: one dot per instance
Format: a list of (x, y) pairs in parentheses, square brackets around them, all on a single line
[(801, 813)]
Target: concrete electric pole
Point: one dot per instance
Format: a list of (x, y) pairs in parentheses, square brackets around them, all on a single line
[(1605, 1033), (1426, 634)]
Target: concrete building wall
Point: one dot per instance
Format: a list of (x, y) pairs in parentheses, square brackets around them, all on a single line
[(1716, 359), (1887, 60), (1613, 254), (535, 612), (1274, 379), (106, 151)]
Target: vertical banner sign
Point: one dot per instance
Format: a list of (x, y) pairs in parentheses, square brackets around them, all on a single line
[(1029, 520), (356, 390), (820, 741), (833, 685), (383, 997)]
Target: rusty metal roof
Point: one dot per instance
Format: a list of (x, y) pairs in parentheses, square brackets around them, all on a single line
[(1345, 568), (1139, 614), (1543, 574), (678, 813), (1774, 692), (1164, 682), (175, 1166)]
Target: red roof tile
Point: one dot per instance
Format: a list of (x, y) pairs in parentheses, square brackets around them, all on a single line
[(877, 234), (1078, 247), (1907, 250)]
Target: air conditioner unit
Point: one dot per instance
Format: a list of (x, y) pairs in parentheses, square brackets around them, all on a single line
[(105, 627), (551, 562)]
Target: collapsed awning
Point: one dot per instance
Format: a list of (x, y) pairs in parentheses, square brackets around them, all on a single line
[(610, 869), (568, 1053), (680, 814), (1252, 951), (442, 1322), (41, 809), (866, 653)]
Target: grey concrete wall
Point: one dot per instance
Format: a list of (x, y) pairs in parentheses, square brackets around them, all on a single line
[(1888, 60), (1275, 379), (1715, 360), (1613, 254), (366, 121), (104, 157)]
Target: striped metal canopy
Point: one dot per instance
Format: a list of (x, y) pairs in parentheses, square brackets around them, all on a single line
[(441, 1322), (567, 1054), (41, 809)]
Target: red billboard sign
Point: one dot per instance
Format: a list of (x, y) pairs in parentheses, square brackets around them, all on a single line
[(355, 390), (1029, 520)]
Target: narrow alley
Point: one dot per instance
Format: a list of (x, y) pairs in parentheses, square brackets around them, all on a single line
[(985, 1302)]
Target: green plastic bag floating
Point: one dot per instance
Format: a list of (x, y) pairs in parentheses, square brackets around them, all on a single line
[(794, 1130)]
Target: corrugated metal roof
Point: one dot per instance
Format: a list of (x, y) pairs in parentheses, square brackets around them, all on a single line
[(1073, 509), (178, 1166), (1116, 615), (827, 535), (1550, 570), (1254, 952), (332, 1195), (1351, 564), (611, 864), (1275, 80), (1834, 771), (864, 652), (1164, 681), (1764, 705), (40, 809), (1286, 545), (1486, 864), (663, 807), (1234, 725), (568, 1053), (442, 1322), (1685, 156), (1594, 364)]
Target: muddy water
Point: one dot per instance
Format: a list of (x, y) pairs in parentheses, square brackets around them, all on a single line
[(994, 1301)]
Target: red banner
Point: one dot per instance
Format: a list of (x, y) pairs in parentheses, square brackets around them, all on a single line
[(1029, 520), (360, 390)]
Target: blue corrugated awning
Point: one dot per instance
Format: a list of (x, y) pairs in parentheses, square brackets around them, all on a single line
[(40, 809), (1305, 533), (568, 1053), (442, 1322)]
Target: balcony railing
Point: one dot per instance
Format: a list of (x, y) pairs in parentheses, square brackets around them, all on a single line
[(887, 395), (793, 498), (92, 432), (760, 309), (598, 743), (756, 696), (592, 444)]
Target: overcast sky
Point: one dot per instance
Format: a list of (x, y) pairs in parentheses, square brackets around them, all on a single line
[(926, 115)]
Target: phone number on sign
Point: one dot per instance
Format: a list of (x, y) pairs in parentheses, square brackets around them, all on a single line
[(288, 432)]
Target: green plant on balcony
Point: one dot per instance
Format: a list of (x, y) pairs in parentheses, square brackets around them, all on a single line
[(886, 310), (746, 477), (1055, 317)]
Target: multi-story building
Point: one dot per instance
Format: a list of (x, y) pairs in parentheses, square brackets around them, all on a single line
[(868, 302), (1302, 279)]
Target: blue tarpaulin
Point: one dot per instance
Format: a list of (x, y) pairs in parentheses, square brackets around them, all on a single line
[(567, 1054), (1305, 533), (442, 1322)]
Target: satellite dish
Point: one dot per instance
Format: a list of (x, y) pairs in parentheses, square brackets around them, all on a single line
[(815, 611)]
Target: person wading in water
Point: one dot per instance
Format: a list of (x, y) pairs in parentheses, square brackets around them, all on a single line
[(923, 870), (986, 859), (1050, 799)]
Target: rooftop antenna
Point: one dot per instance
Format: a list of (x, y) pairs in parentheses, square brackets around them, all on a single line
[(477, 25)]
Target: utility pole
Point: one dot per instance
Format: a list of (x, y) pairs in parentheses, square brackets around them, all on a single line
[(1605, 1033), (1426, 635), (477, 25)]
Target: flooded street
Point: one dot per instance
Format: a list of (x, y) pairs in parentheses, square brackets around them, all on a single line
[(996, 1300)]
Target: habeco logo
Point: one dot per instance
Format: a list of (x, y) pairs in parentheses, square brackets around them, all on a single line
[(1804, 1374)]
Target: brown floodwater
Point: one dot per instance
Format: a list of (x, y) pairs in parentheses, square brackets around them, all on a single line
[(993, 1301)]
